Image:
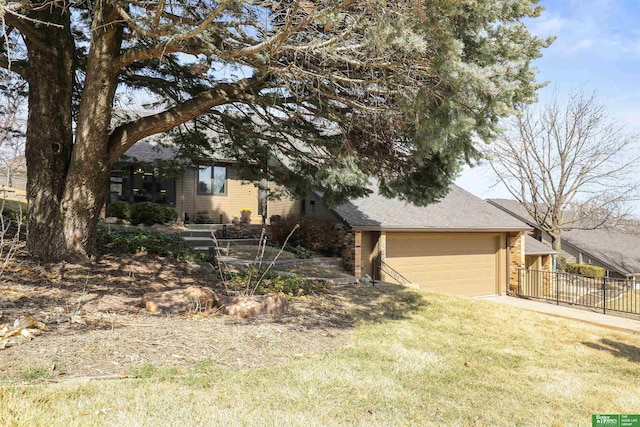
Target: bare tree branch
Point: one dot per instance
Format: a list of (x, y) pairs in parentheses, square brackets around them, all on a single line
[(571, 166)]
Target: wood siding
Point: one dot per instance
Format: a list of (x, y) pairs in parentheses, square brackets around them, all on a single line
[(239, 195), (286, 205)]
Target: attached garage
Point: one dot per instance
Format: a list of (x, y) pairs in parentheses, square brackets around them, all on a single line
[(461, 263), (461, 245)]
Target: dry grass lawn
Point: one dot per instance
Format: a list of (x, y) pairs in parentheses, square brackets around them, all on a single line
[(305, 269), (417, 359), (251, 252)]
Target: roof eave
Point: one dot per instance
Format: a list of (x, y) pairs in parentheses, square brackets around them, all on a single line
[(538, 252), (439, 229)]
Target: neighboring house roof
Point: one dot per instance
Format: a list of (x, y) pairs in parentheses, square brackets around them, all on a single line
[(150, 151), (618, 250), (17, 164), (458, 211), (514, 208), (535, 247), (146, 152)]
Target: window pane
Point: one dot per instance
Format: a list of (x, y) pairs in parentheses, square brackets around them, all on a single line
[(204, 180), (219, 180)]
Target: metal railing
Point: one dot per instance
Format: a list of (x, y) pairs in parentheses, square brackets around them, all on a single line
[(603, 293), (394, 274)]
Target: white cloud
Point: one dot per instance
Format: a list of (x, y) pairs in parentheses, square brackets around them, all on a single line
[(584, 44), (550, 26)]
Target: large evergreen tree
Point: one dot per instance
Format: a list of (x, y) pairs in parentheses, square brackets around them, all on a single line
[(339, 90)]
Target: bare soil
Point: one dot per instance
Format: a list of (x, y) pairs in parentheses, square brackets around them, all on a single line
[(95, 325)]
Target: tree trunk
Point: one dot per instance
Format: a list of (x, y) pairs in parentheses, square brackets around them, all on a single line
[(67, 181), (88, 175), (556, 243), (49, 137)]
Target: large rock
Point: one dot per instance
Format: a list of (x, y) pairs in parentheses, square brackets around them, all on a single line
[(253, 306), (193, 298)]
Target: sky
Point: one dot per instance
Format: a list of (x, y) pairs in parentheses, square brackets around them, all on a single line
[(597, 49)]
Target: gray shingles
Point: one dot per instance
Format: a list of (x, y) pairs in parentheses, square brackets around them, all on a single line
[(513, 207), (145, 152), (535, 247), (459, 210), (620, 251)]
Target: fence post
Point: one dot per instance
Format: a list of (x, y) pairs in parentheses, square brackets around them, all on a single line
[(604, 293), (558, 288)]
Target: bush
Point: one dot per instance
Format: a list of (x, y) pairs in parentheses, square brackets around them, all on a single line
[(170, 215), (201, 217), (147, 213), (586, 270), (120, 210), (562, 264), (10, 213), (289, 285), (299, 251), (313, 234), (133, 241)]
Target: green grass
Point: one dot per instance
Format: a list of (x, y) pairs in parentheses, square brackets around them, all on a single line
[(448, 362), (14, 204), (35, 373)]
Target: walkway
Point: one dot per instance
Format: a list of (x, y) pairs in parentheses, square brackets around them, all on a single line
[(599, 319)]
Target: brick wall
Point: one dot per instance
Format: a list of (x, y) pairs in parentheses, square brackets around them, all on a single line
[(516, 259), (352, 252)]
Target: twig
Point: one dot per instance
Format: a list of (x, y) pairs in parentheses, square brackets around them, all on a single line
[(276, 258), (221, 267), (257, 260)]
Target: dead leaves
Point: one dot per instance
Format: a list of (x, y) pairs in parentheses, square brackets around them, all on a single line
[(22, 330)]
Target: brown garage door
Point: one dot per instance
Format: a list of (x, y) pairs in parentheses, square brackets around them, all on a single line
[(458, 264)]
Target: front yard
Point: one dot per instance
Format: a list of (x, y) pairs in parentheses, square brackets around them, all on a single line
[(351, 355)]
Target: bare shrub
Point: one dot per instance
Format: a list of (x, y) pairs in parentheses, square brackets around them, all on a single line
[(313, 234)]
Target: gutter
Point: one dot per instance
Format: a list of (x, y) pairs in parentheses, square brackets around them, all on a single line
[(438, 230)]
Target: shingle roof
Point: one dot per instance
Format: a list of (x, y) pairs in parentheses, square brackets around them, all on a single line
[(620, 251), (459, 210), (148, 151), (145, 152), (514, 208), (535, 247)]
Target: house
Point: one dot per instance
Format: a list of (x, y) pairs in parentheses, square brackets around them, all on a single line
[(461, 245), (211, 191), (615, 251)]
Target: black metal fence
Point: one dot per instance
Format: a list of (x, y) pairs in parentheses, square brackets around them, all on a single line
[(604, 293)]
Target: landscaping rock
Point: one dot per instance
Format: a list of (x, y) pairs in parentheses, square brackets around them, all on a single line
[(192, 267), (110, 220), (193, 298), (254, 306)]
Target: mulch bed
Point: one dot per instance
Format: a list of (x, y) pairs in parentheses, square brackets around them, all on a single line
[(95, 325)]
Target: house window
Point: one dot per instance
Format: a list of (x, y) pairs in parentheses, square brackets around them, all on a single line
[(212, 180)]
